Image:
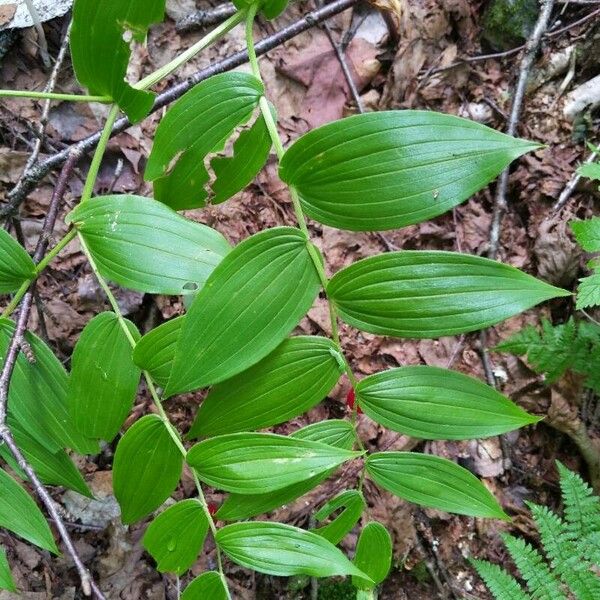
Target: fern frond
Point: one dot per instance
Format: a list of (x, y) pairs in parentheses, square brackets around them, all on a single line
[(582, 508), (542, 584), (502, 585), (572, 566)]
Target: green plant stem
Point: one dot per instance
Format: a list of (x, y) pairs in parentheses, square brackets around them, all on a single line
[(53, 96), (300, 217), (200, 45)]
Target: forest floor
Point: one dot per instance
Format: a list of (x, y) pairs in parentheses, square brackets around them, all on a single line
[(406, 65)]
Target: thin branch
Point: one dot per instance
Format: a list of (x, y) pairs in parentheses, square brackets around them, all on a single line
[(18, 194), (531, 49), (568, 190), (87, 583), (203, 18)]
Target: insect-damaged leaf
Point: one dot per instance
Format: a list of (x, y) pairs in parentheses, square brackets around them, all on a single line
[(389, 169), (100, 53), (16, 265), (289, 381), (104, 378), (146, 468), (21, 515), (434, 482), (438, 404), (194, 127), (352, 503), (257, 463), (142, 244), (423, 294), (278, 549), (37, 399), (176, 536), (249, 305)]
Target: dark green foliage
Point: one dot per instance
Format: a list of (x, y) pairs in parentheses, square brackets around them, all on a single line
[(571, 546), (555, 349)]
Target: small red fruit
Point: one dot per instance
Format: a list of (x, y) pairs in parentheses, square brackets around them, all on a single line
[(213, 507), (351, 399)]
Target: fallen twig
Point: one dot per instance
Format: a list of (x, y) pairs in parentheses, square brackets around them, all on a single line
[(571, 185), (17, 195), (88, 585), (531, 48), (204, 18)]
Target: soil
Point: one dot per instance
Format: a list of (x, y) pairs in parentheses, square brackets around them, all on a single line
[(410, 59)]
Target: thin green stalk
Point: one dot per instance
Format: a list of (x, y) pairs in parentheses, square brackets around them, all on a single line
[(200, 45), (90, 180), (54, 96)]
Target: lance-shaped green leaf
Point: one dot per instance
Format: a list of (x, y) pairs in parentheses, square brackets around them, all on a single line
[(438, 404), (21, 515), (373, 555), (146, 468), (250, 152), (176, 536), (352, 503), (208, 585), (422, 294), (434, 482), (156, 350), (278, 549), (389, 169), (53, 468), (142, 244), (16, 265), (104, 378), (100, 53), (6, 579), (249, 305), (334, 432), (37, 398), (193, 128), (292, 379), (257, 463)]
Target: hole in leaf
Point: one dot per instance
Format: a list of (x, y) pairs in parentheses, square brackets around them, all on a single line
[(190, 286)]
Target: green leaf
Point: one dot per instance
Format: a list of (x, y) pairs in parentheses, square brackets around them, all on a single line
[(16, 265), (373, 554), (249, 305), (104, 378), (100, 54), (53, 468), (156, 350), (146, 468), (176, 536), (142, 244), (21, 515), (336, 433), (278, 549), (257, 463), (433, 481), (208, 586), (423, 294), (587, 234), (438, 404), (269, 8), (390, 169), (192, 128), (37, 398), (590, 170), (6, 578), (292, 379), (352, 503), (588, 292), (250, 152)]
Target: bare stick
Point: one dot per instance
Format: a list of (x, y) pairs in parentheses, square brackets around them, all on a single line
[(88, 585), (18, 194), (531, 48), (571, 185), (203, 18)]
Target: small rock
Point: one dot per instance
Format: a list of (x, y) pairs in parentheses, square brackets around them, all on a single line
[(99, 511)]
